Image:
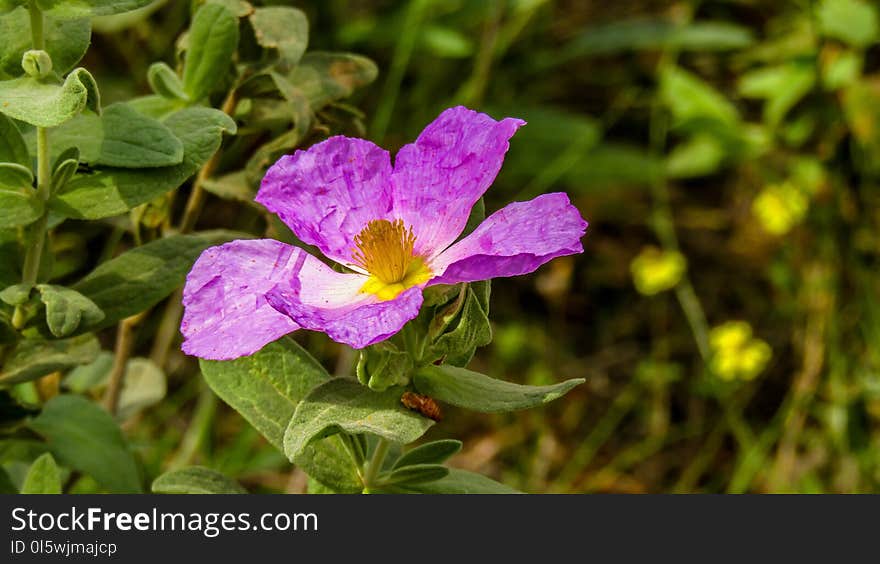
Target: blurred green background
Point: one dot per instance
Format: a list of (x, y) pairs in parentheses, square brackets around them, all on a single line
[(725, 311)]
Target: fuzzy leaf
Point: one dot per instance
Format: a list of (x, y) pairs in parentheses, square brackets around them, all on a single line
[(120, 137), (196, 480), (165, 82), (457, 482), (66, 309), (479, 392), (344, 405), (89, 8), (12, 146), (416, 474), (283, 28), (18, 207), (435, 452), (855, 22), (113, 191), (48, 105), (325, 77), (83, 436), (144, 386), (213, 40), (140, 278), (265, 389), (43, 477), (31, 358), (66, 41)]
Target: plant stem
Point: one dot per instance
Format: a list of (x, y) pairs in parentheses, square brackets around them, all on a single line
[(197, 195), (37, 37), (375, 464), (124, 344)]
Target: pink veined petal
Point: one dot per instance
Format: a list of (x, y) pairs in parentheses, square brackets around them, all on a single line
[(321, 299), (225, 310), (439, 178), (329, 192), (515, 240)]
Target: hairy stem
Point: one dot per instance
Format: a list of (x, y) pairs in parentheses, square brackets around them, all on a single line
[(375, 464)]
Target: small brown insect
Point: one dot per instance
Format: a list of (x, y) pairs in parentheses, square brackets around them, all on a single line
[(423, 404)]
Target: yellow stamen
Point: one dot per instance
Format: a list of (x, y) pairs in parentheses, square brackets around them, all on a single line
[(385, 250)]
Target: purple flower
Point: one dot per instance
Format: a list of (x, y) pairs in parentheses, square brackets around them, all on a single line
[(393, 228)]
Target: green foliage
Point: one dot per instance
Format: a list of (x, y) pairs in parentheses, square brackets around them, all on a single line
[(84, 437), (66, 41), (435, 452), (88, 8), (46, 104), (266, 388), (43, 477), (213, 38), (852, 21), (140, 278), (111, 191), (343, 405), (195, 480), (30, 359), (284, 29), (457, 482), (12, 146), (67, 309), (472, 390)]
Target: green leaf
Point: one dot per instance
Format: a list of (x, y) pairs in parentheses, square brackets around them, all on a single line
[(326, 77), (66, 309), (416, 474), (43, 477), (9, 5), (698, 156), (140, 278), (45, 104), (342, 405), (156, 106), (120, 137), (854, 22), (113, 191), (470, 332), (196, 480), (689, 97), (213, 40), (89, 376), (9, 258), (63, 173), (12, 146), (66, 41), (31, 358), (382, 365), (457, 482), (83, 436), (18, 207), (16, 294), (89, 8), (781, 86), (265, 389), (644, 34), (282, 28), (479, 392), (144, 386), (435, 452), (266, 386), (165, 82), (14, 175)]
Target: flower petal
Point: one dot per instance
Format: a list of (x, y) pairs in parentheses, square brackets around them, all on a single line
[(321, 299), (439, 178), (226, 314), (328, 193), (514, 240)]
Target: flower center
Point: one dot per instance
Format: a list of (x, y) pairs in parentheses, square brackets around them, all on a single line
[(385, 250)]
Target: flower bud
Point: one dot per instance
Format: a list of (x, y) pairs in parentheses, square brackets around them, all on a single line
[(36, 63)]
